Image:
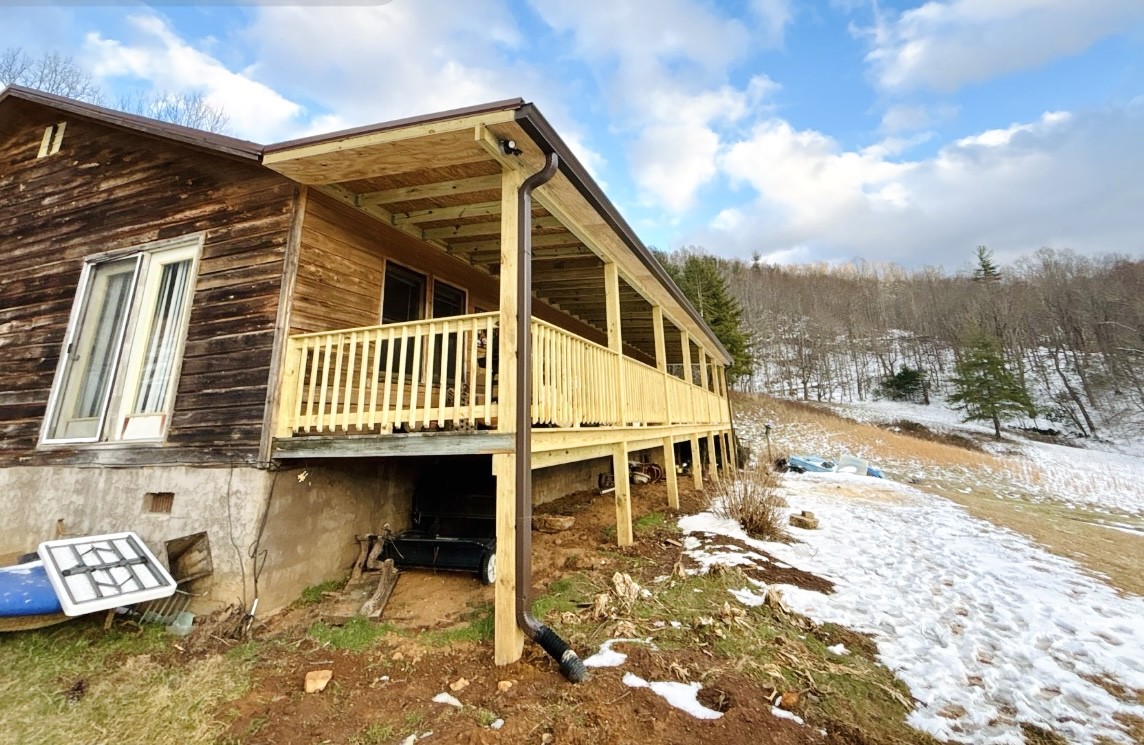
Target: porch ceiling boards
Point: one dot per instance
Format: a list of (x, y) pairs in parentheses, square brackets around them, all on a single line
[(439, 181)]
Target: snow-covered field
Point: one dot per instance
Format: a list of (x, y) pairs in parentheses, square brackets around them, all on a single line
[(1094, 477), (987, 629)]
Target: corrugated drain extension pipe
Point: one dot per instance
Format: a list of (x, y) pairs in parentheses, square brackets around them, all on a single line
[(570, 664)]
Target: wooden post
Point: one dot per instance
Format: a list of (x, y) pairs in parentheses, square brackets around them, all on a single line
[(669, 472), (616, 339), (508, 638), (696, 468), (623, 494), (668, 443), (288, 387), (712, 461), (620, 452)]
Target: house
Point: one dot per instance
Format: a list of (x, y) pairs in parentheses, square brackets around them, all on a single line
[(255, 350)]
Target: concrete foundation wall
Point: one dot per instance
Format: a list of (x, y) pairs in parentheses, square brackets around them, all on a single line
[(557, 481), (308, 536), (225, 503), (293, 528), (315, 513)]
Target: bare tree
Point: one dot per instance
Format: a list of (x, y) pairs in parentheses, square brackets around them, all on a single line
[(52, 72), (189, 108)]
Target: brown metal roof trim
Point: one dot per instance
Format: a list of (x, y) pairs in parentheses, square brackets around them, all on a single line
[(533, 122), (485, 108), (187, 135)]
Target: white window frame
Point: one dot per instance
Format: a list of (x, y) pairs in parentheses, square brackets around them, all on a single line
[(130, 345)]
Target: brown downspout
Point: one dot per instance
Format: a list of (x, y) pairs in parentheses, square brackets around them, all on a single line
[(570, 664)]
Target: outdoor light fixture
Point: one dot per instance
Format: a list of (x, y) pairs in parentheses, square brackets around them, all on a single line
[(508, 147)]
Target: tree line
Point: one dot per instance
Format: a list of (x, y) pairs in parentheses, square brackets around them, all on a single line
[(1055, 333)]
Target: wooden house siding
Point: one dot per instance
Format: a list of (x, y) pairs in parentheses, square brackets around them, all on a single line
[(111, 190), (341, 266)]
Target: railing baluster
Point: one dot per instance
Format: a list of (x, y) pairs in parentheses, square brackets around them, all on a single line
[(472, 378), (430, 352), (387, 388), (398, 418), (373, 373), (491, 354), (348, 397), (416, 381), (301, 351), (443, 375), (325, 382)]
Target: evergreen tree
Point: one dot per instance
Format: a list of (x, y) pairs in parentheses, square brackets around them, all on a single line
[(908, 384), (983, 385), (702, 282), (986, 270)]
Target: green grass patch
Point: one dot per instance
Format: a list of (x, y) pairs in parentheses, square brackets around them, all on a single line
[(650, 522), (78, 678), (355, 635), (377, 733), (561, 596), (315, 594), (478, 628)]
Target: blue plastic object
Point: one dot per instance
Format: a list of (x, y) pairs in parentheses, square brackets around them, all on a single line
[(25, 590)]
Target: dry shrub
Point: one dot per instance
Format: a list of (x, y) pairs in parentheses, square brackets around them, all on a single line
[(751, 499)]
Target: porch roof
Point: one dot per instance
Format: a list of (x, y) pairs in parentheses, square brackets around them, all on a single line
[(437, 178)]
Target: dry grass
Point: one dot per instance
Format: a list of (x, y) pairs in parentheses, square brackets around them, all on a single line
[(77, 684), (887, 445), (750, 498)]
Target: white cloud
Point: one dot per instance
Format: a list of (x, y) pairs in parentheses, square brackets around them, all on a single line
[(899, 118), (370, 63), (1065, 180), (663, 68), (946, 44), (167, 63), (773, 17)]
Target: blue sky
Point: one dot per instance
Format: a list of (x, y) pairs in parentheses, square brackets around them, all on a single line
[(828, 130)]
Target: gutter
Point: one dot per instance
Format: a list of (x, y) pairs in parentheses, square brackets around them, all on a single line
[(570, 664)]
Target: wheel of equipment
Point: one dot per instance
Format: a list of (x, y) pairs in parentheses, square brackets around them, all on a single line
[(488, 570)]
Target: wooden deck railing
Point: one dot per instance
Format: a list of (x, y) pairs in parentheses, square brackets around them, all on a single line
[(441, 373)]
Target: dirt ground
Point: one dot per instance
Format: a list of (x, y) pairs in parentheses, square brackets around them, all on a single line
[(384, 693)]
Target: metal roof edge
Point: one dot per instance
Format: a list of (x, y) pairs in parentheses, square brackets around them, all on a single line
[(534, 123), (197, 138), (484, 108)]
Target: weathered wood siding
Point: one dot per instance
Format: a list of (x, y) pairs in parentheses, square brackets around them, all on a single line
[(110, 189), (341, 265)]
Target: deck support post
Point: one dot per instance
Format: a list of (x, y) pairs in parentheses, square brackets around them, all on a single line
[(712, 458), (669, 474), (620, 450), (623, 494), (668, 444), (508, 637), (689, 376)]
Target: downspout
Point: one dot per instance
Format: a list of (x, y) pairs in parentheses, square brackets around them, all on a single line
[(570, 664)]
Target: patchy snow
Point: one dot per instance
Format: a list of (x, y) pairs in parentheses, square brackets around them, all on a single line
[(445, 698), (608, 657), (838, 649), (683, 696), (987, 629), (784, 714)]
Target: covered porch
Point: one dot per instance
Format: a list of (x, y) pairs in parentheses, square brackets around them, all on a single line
[(402, 315)]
